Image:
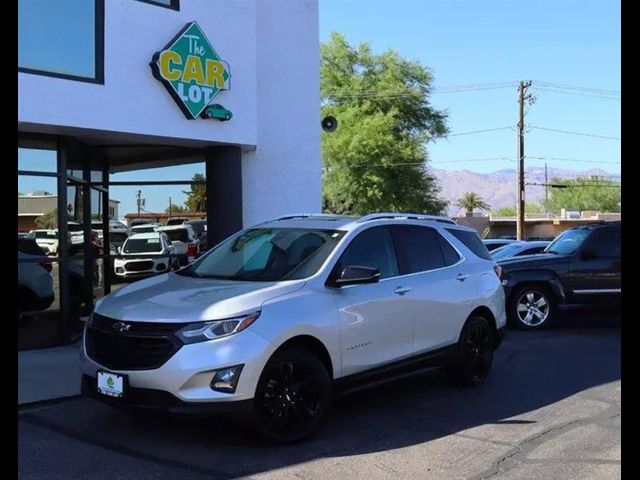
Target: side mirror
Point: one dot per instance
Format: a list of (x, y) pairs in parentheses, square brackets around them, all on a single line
[(354, 275), (588, 254)]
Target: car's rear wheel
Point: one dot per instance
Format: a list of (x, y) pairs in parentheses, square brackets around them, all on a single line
[(531, 307), (292, 397), (474, 354)]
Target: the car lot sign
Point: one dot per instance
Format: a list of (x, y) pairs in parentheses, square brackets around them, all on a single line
[(191, 70)]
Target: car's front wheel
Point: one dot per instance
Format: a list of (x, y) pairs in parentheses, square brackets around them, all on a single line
[(474, 353), (293, 394), (531, 307)]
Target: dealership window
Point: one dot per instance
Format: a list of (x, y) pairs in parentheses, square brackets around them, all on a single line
[(64, 38), (175, 4)]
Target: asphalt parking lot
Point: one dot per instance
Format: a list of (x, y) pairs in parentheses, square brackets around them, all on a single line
[(549, 409)]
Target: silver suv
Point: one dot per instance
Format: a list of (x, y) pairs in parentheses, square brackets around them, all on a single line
[(281, 317)]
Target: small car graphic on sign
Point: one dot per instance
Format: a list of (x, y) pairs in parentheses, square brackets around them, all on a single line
[(217, 111)]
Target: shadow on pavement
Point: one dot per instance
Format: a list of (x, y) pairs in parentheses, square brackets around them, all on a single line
[(531, 370)]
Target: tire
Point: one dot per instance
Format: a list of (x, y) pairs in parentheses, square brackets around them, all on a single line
[(532, 307), (474, 354), (292, 397)]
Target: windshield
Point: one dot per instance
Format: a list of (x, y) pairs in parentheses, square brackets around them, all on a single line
[(505, 251), (142, 245), (568, 241), (178, 235), (267, 254)]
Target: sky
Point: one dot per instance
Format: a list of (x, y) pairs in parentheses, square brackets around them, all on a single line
[(572, 43)]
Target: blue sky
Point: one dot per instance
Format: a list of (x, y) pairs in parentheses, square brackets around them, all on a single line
[(464, 42)]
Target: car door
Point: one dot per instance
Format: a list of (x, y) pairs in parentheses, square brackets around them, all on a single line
[(444, 291), (595, 272), (376, 319)]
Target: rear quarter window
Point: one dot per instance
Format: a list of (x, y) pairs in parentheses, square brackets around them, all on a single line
[(472, 241)]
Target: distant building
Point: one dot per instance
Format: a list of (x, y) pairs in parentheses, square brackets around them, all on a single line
[(35, 204), (538, 226)]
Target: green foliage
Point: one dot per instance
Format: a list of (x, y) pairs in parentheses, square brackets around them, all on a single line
[(175, 209), (197, 196), (49, 220), (594, 193), (375, 160), (470, 201), (512, 211)]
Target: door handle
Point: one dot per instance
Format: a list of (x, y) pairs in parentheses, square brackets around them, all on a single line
[(401, 290), (462, 276)]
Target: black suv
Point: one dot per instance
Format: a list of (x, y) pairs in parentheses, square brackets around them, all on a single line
[(581, 267)]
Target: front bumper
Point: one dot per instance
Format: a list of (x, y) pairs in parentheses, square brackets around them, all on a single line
[(150, 399), (187, 375)]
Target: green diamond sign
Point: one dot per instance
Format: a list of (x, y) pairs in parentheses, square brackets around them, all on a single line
[(193, 73)]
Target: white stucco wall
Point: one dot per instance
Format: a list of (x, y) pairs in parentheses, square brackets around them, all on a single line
[(272, 48)]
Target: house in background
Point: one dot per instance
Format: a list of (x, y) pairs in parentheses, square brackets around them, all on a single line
[(34, 204)]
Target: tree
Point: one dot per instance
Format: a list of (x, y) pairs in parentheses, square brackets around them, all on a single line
[(49, 220), (470, 201), (197, 196), (376, 159), (512, 211), (176, 209), (593, 193)]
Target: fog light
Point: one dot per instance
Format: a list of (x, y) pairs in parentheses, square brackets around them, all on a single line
[(119, 270), (160, 267), (226, 380)]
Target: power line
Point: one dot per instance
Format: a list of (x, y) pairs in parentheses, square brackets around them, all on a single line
[(574, 133), (567, 92), (560, 185), (472, 132), (576, 87)]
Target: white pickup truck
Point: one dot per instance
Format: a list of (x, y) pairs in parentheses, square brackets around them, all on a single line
[(185, 241)]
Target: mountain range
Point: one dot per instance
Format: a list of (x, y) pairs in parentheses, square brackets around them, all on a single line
[(498, 188)]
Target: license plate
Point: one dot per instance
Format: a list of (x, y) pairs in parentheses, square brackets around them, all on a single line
[(110, 384)]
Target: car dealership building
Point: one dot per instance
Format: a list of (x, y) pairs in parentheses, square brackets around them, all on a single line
[(107, 86)]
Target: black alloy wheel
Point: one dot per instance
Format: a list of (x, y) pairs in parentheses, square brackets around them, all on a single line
[(293, 394)]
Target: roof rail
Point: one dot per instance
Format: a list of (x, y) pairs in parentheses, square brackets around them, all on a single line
[(404, 216), (306, 215)]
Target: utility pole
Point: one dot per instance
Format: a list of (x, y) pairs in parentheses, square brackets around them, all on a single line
[(546, 187), (520, 207), (169, 206), (139, 201)]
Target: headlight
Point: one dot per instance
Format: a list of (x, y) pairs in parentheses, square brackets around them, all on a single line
[(203, 331)]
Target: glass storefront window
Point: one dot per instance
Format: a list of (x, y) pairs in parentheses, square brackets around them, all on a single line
[(62, 37)]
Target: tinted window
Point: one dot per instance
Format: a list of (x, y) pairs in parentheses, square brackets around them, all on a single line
[(531, 251), (605, 242), (178, 235), (117, 236), (449, 253), (371, 248), (59, 37), (198, 227), (418, 249), (472, 241)]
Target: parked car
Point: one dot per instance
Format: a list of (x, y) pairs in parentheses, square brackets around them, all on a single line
[(114, 226), (279, 317), (580, 267), (200, 227), (518, 249), (155, 246), (493, 243), (176, 221), (35, 283), (47, 240), (145, 228), (185, 241), (139, 221)]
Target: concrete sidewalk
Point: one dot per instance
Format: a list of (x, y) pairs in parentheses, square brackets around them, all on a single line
[(48, 373)]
